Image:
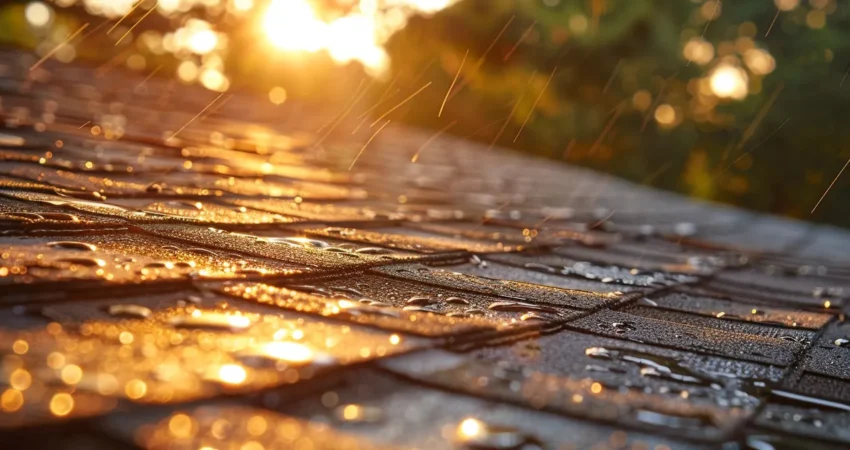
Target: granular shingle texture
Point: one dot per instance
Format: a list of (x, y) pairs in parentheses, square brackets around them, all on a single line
[(236, 286)]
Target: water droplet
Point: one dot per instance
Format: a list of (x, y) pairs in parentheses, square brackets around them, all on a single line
[(475, 434), (353, 413), (348, 290), (335, 250), (685, 229), (60, 216), (457, 301), (650, 365), (804, 401), (474, 312), (414, 308), (532, 316), (647, 302), (73, 245), (283, 354), (620, 327), (199, 319), (88, 262), (130, 311), (598, 352), (202, 251), (842, 342), (420, 300), (316, 290), (520, 307), (374, 251), (378, 304), (541, 267), (10, 140), (795, 339), (671, 420), (301, 242)]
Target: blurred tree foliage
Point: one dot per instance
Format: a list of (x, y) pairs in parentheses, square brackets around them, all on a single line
[(775, 150)]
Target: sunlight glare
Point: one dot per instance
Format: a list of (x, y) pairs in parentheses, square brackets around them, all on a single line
[(296, 25)]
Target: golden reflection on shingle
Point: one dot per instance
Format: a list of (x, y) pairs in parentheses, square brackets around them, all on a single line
[(174, 355), (244, 429)]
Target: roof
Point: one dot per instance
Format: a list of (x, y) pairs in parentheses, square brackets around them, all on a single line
[(183, 270)]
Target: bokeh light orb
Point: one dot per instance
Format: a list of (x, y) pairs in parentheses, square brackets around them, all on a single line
[(38, 14), (728, 81)]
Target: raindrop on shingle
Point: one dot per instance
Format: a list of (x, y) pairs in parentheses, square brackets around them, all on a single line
[(841, 342), (538, 266), (646, 302), (475, 434), (532, 316), (282, 354), (598, 352), (302, 242), (457, 301), (520, 307), (88, 262), (73, 245), (795, 339), (420, 300), (374, 251), (132, 311), (673, 421), (335, 250), (622, 327), (9, 140), (417, 309), (348, 290), (199, 319), (202, 251), (378, 304), (685, 229), (60, 216), (354, 413)]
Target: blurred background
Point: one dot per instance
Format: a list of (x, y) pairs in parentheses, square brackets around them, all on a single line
[(740, 101)]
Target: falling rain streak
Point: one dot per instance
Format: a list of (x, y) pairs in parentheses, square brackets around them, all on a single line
[(58, 47), (451, 86), (830, 186), (536, 101), (431, 139), (362, 149), (196, 116), (130, 30), (400, 104)]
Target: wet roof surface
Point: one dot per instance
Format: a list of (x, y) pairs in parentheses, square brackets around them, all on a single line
[(226, 282)]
